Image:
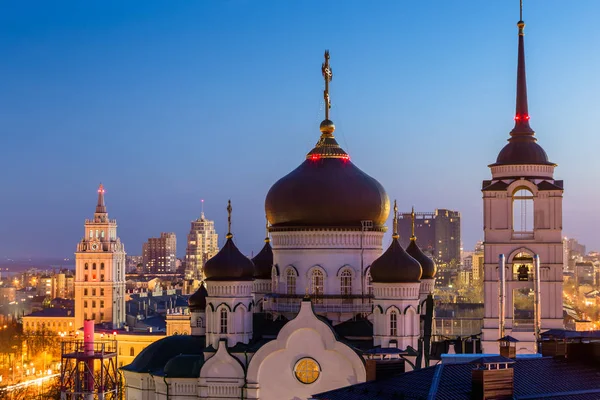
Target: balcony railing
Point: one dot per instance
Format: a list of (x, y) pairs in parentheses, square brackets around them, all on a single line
[(458, 326), (321, 303)]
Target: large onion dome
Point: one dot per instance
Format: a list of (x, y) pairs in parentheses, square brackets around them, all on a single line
[(395, 266), (229, 264), (197, 301), (427, 264), (263, 261), (327, 190)]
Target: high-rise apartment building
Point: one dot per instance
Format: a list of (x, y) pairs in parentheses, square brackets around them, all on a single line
[(202, 244), (438, 233), (159, 254), (100, 271)]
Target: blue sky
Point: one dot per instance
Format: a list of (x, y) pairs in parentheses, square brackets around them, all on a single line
[(170, 102)]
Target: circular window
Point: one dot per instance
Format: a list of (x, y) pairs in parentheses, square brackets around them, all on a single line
[(307, 370)]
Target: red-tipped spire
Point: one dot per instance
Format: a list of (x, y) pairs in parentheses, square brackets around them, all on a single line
[(522, 127), (100, 207)]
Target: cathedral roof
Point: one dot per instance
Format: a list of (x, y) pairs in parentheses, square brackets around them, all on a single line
[(154, 357), (197, 301), (327, 189)]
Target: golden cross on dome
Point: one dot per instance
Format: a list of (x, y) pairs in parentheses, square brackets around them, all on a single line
[(412, 224), (229, 209), (395, 233), (327, 75)]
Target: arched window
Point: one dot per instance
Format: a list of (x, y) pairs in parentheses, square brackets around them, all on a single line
[(346, 283), (393, 323), (317, 285), (369, 283), (131, 351), (290, 281), (86, 266), (223, 323), (94, 266), (200, 323), (101, 265), (522, 211)]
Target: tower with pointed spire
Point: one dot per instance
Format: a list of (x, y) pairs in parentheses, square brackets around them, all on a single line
[(522, 218), (100, 270)]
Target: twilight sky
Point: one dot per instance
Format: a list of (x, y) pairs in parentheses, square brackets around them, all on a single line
[(170, 102)]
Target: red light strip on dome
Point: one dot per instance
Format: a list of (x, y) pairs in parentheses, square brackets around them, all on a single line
[(525, 117)]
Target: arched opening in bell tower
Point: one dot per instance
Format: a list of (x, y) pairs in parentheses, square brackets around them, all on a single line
[(523, 213)]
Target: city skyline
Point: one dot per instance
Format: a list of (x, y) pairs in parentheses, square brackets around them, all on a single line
[(65, 130)]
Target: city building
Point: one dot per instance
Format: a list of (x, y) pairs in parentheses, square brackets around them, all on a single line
[(523, 242), (55, 320), (100, 271), (159, 254), (320, 305), (202, 244), (438, 231)]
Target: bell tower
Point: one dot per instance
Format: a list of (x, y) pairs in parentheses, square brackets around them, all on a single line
[(100, 271), (522, 207)]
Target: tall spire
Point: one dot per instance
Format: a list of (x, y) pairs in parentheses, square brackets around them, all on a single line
[(100, 207), (327, 146), (202, 212), (412, 225), (229, 209), (522, 127), (395, 235)]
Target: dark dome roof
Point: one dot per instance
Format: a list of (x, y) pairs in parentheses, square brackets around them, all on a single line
[(184, 366), (197, 301), (427, 264), (395, 266), (522, 150), (263, 262), (229, 264), (154, 357), (326, 190)]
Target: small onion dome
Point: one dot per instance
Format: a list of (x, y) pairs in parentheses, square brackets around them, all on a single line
[(427, 264), (395, 266), (327, 190), (197, 301), (229, 264), (263, 262)]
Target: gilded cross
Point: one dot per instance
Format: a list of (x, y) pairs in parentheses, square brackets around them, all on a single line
[(327, 75)]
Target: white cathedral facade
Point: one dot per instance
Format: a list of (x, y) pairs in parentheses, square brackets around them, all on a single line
[(323, 305)]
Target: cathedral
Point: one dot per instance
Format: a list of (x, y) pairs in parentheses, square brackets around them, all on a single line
[(323, 305)]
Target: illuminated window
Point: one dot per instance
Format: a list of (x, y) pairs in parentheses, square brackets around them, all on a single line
[(346, 283), (91, 234), (317, 282), (102, 234), (223, 320), (307, 370), (393, 323), (290, 281), (200, 323)]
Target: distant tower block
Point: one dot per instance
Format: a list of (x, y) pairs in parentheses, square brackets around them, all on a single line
[(522, 207), (89, 369)]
